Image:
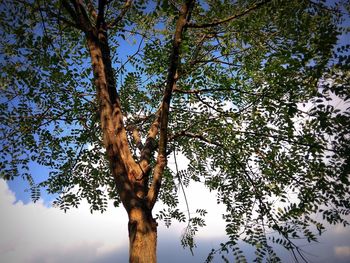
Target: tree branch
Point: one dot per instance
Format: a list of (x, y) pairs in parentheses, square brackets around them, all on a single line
[(213, 61), (295, 140), (52, 14), (125, 8), (150, 144), (208, 104), (164, 114), (92, 10), (196, 136), (70, 10), (197, 91), (136, 136), (216, 23), (101, 13), (82, 17)]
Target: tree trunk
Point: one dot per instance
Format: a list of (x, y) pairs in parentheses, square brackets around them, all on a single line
[(142, 226), (142, 236)]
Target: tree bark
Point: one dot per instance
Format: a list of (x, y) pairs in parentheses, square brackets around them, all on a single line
[(142, 236)]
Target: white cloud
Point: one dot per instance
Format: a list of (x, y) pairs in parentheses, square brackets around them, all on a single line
[(33, 232)]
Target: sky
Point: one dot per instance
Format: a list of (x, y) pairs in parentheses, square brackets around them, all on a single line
[(39, 233)]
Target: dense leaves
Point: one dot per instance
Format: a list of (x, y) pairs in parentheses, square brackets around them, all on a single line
[(260, 109)]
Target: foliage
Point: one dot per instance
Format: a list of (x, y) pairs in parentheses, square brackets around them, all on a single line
[(260, 109)]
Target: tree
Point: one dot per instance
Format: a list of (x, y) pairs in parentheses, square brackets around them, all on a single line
[(102, 92)]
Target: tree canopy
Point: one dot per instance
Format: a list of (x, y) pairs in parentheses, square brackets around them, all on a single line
[(254, 93)]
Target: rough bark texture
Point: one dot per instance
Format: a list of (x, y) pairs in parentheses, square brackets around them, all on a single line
[(142, 236)]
